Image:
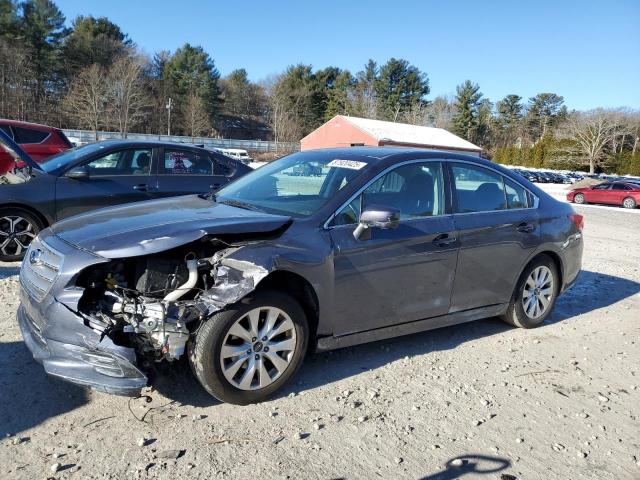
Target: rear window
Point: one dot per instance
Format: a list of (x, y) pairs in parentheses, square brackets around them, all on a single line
[(27, 135)]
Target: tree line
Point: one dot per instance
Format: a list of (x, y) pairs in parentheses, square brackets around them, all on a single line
[(91, 75)]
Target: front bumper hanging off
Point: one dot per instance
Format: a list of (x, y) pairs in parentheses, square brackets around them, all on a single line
[(98, 368)]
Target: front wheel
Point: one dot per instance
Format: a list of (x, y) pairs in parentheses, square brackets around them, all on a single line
[(246, 353), (629, 203), (17, 229), (535, 294), (578, 198)]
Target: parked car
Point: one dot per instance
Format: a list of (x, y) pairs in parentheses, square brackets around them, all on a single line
[(385, 242), (97, 175), (626, 194), (39, 141)]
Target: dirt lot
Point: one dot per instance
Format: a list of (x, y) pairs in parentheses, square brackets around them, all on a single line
[(558, 402)]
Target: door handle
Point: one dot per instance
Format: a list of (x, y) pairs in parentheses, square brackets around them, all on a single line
[(215, 186), (525, 227), (143, 187), (444, 239)]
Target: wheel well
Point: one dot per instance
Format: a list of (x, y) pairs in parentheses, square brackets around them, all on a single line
[(300, 289), (556, 260), (29, 209)]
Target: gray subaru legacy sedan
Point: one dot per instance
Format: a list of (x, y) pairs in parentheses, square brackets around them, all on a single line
[(318, 250)]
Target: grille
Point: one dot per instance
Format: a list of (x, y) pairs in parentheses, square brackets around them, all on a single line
[(40, 269)]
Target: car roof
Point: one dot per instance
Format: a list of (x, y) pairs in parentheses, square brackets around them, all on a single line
[(115, 143), (18, 123), (382, 153)]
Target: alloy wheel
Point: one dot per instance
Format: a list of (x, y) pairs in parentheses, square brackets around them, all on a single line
[(16, 234), (579, 198), (629, 203), (258, 348), (538, 292)]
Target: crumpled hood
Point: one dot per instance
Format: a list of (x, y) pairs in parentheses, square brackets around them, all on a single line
[(153, 226)]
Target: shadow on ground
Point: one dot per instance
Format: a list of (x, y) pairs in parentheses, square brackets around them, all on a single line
[(592, 291), (28, 396), (471, 464)]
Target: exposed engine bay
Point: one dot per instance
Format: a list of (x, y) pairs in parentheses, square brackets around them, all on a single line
[(155, 303)]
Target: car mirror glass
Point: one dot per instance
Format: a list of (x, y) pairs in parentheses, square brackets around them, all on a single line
[(78, 173), (376, 216)]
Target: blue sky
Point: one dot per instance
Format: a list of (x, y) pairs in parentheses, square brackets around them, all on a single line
[(587, 51)]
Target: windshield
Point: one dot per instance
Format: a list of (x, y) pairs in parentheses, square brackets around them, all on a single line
[(297, 185), (67, 157)]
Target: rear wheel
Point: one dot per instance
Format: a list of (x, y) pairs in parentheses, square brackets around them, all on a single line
[(246, 353), (535, 294), (629, 203), (578, 198), (17, 229)]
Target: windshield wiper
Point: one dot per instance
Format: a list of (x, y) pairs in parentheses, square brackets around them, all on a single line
[(239, 204)]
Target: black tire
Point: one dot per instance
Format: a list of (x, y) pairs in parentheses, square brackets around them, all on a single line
[(205, 348), (15, 220), (515, 314), (578, 198), (629, 202)]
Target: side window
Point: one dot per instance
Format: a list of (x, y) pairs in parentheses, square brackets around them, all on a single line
[(602, 186), (416, 189), (122, 162), (516, 195), (477, 189), (221, 166), (26, 135), (620, 186), (185, 162)]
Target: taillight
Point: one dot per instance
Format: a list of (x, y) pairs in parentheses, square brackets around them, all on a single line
[(578, 221)]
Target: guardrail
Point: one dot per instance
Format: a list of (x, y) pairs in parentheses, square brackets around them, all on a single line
[(87, 136)]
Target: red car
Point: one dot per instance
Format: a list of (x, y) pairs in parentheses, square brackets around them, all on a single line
[(39, 141), (626, 194)]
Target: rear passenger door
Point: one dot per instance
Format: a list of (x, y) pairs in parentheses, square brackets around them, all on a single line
[(184, 172), (498, 229), (619, 191)]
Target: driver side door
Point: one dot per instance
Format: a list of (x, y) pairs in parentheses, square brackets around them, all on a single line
[(120, 176), (398, 275), (599, 193)]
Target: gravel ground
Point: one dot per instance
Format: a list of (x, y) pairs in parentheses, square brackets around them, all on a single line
[(481, 400)]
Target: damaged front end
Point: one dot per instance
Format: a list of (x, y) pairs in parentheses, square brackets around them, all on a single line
[(154, 304)]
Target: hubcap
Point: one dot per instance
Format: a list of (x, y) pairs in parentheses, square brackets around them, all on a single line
[(16, 234), (538, 292), (258, 348)]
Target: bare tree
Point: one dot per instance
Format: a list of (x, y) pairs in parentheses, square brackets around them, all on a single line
[(88, 97), (592, 132), (195, 116), (129, 100), (282, 118), (439, 113)]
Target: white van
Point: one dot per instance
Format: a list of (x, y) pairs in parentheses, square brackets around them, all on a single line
[(237, 153)]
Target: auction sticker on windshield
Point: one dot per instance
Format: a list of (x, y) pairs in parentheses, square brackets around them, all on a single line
[(351, 164)]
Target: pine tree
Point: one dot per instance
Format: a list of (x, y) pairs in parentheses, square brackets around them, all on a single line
[(466, 105)]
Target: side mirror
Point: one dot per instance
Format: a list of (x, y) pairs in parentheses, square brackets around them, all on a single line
[(376, 217), (78, 173)]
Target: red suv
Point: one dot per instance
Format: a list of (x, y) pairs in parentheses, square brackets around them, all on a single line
[(39, 141)]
